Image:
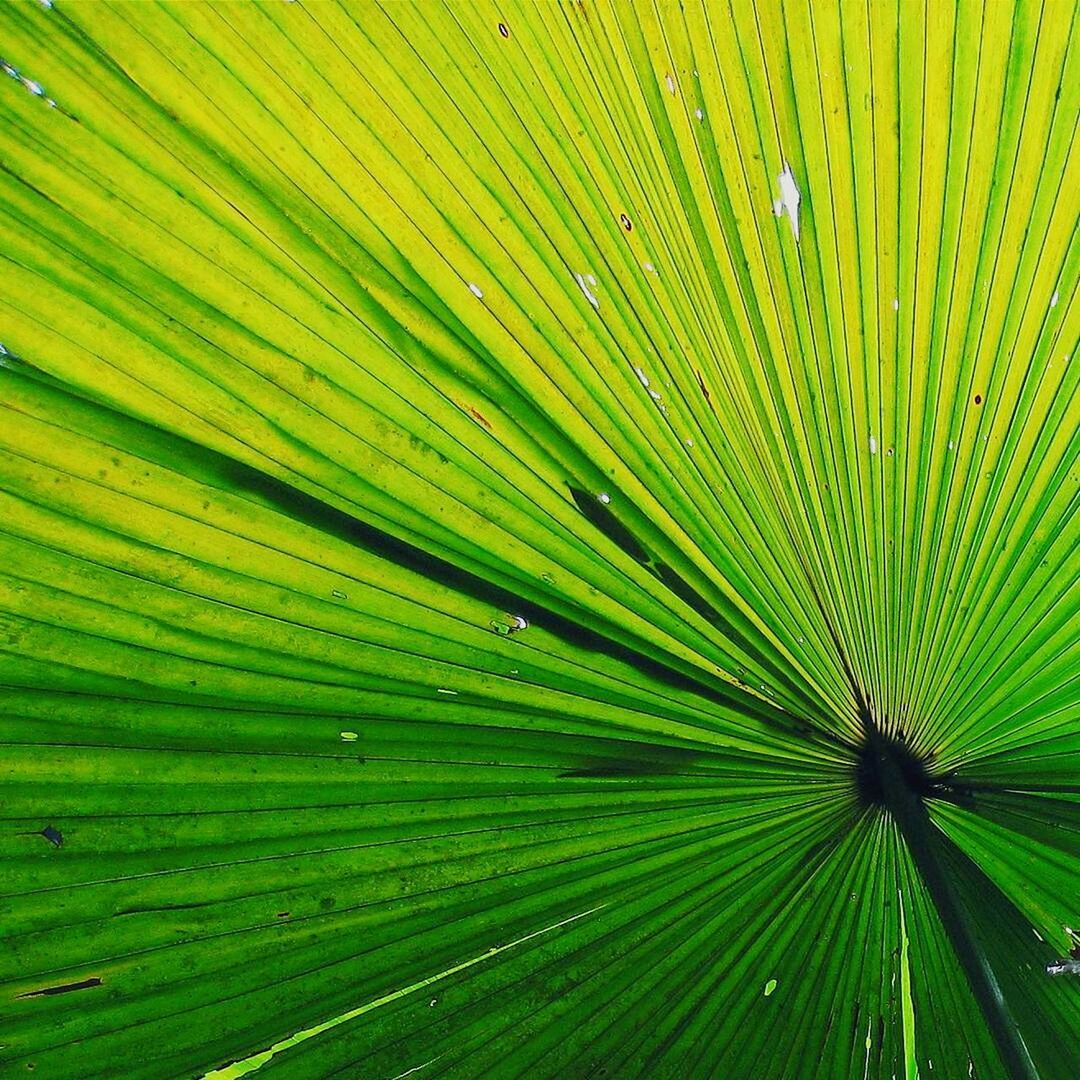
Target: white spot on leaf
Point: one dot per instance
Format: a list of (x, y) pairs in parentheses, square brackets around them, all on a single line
[(476, 291), (580, 278), (789, 199)]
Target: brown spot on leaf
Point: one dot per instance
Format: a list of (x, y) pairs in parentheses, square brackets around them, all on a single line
[(63, 988), (704, 390), (479, 417)]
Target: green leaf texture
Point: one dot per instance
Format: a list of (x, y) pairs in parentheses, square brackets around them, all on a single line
[(473, 478)]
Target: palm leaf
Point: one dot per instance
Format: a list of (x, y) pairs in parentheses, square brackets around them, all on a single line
[(539, 541)]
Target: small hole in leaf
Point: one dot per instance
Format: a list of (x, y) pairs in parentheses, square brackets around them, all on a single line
[(626, 223), (504, 30)]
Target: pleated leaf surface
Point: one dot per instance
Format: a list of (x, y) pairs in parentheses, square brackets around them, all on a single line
[(470, 478)]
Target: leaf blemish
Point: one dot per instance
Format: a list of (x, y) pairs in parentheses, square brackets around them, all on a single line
[(32, 86), (584, 280), (479, 417), (510, 624), (704, 390), (788, 200), (1063, 967), (62, 988)]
